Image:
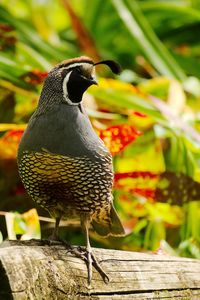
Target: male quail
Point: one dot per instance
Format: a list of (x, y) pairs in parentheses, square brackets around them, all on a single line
[(64, 165)]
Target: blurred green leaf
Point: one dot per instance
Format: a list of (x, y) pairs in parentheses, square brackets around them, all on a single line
[(142, 33), (154, 233), (189, 248)]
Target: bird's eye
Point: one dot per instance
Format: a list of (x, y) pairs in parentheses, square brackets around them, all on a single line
[(78, 70)]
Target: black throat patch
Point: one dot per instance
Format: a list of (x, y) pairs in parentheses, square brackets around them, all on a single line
[(76, 86)]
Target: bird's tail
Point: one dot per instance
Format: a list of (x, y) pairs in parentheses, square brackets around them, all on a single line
[(112, 227)]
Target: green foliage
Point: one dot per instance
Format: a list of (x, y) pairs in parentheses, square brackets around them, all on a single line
[(148, 116)]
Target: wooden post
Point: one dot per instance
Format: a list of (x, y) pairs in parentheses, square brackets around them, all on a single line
[(31, 271)]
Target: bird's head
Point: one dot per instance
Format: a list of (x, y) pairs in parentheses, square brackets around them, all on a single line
[(72, 77)]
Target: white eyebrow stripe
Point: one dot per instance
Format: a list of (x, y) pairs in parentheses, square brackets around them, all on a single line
[(73, 65)]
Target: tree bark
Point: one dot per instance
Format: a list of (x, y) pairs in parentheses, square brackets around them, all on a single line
[(29, 270)]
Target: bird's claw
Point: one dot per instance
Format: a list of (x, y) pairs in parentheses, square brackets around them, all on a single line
[(90, 260), (99, 269), (87, 256)]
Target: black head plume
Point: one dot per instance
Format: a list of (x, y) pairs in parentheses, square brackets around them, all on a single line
[(113, 65)]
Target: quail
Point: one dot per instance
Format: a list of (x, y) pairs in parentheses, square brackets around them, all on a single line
[(64, 165)]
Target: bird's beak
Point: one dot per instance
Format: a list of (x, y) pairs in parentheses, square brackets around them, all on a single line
[(93, 80), (89, 74)]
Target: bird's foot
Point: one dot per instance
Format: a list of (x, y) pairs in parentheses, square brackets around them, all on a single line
[(75, 250), (81, 252), (49, 242), (97, 266), (90, 260)]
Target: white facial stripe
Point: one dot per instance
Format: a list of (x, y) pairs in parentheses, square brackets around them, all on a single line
[(65, 81), (65, 92), (77, 65)]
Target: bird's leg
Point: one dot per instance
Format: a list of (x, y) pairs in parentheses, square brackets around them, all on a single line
[(90, 258), (54, 236), (85, 226)]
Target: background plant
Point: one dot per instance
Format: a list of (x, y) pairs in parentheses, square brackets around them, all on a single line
[(148, 116)]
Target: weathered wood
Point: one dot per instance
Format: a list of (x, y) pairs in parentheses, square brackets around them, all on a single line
[(31, 271)]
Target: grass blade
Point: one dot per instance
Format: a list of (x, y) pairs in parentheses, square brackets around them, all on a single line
[(145, 37)]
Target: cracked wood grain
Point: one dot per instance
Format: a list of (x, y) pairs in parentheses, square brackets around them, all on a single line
[(30, 270)]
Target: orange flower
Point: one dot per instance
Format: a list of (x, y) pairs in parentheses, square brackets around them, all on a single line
[(117, 137), (35, 77), (9, 144)]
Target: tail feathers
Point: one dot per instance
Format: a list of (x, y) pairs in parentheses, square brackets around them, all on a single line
[(112, 227)]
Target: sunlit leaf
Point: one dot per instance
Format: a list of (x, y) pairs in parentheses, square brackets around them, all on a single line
[(35, 58), (10, 127), (175, 121), (176, 97), (144, 155), (33, 225), (165, 249), (25, 226), (189, 247), (154, 233), (15, 88), (191, 227), (171, 215), (157, 86)]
